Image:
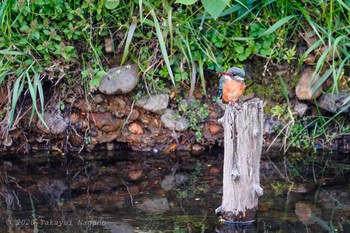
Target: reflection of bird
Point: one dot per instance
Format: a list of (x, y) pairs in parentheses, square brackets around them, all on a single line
[(231, 85)]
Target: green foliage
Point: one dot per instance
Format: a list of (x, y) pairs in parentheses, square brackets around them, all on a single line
[(36, 35), (196, 113), (214, 8)]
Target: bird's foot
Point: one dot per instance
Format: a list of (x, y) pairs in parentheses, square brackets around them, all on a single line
[(221, 220), (239, 101)]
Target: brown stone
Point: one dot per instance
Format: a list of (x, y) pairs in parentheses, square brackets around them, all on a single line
[(134, 115), (135, 175), (303, 89), (104, 138), (214, 170), (133, 139), (197, 148), (74, 118), (172, 147), (214, 128), (213, 114), (304, 212), (135, 128), (75, 140), (134, 189), (105, 121), (119, 101)]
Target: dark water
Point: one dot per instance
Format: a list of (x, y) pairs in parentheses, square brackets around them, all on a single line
[(141, 192)]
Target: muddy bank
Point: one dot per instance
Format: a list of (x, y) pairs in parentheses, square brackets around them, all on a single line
[(121, 113)]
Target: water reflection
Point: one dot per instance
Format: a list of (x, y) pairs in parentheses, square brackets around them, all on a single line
[(141, 192)]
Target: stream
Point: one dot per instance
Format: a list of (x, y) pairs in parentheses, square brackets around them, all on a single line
[(124, 191)]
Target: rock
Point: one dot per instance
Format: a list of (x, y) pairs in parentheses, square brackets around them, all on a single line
[(110, 146), (333, 102), (171, 148), (300, 109), (119, 114), (214, 171), (180, 179), (104, 138), (197, 148), (171, 121), (214, 128), (304, 212), (134, 115), (74, 118), (56, 124), (119, 80), (119, 226), (303, 89), (135, 175), (155, 205), (108, 44), (135, 128), (106, 122), (182, 124), (117, 102), (100, 108), (168, 183), (271, 124), (154, 103), (98, 99), (76, 140)]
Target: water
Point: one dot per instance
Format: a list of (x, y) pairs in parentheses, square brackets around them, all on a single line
[(141, 192)]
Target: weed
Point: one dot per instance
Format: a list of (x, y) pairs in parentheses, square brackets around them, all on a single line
[(196, 113)]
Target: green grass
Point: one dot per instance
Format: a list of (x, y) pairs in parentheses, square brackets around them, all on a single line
[(173, 43)]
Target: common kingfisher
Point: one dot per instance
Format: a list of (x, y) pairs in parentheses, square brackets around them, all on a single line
[(231, 85)]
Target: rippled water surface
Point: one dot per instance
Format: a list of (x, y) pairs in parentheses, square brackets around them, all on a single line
[(143, 192)]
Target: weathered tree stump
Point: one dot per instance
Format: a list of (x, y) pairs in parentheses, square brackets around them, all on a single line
[(243, 128)]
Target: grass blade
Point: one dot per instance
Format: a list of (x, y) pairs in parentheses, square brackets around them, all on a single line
[(162, 46), (346, 6), (277, 25), (10, 52), (284, 88), (321, 61), (140, 11), (17, 90), (321, 80), (32, 90), (128, 41), (2, 12), (201, 75), (40, 90)]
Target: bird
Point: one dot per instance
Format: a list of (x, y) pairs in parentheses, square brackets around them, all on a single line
[(231, 84)]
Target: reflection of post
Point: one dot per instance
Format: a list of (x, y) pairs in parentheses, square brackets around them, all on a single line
[(243, 127)]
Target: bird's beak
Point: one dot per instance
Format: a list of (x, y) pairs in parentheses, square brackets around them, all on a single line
[(225, 73)]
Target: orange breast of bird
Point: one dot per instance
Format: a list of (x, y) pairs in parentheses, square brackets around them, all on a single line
[(232, 90)]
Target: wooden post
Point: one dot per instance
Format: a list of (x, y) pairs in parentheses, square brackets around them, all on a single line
[(243, 129)]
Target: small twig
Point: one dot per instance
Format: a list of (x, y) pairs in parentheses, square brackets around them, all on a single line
[(127, 119), (127, 189)]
